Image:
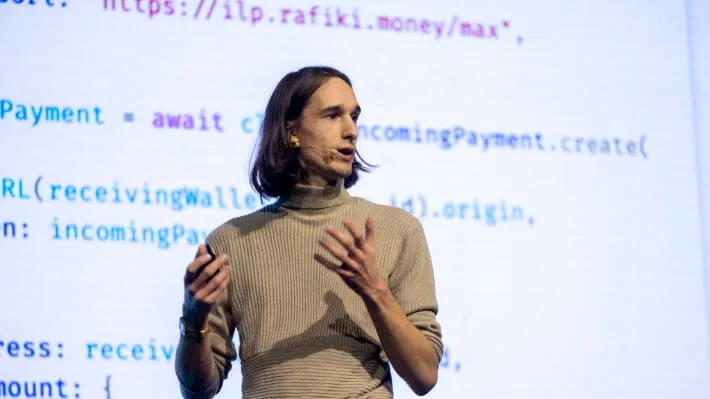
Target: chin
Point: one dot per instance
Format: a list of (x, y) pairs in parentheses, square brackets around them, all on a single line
[(348, 171), (342, 172)]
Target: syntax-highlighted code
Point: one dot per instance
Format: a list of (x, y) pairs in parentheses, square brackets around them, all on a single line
[(163, 237), (17, 349), (36, 114), (442, 137), (314, 16), (36, 3), (150, 351), (489, 213), (175, 199), (229, 198), (37, 389)]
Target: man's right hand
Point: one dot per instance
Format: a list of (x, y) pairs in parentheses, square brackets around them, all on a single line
[(203, 285)]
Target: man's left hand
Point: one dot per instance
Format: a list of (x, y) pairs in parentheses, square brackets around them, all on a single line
[(358, 267)]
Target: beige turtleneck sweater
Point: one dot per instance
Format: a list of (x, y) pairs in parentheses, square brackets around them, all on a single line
[(302, 332)]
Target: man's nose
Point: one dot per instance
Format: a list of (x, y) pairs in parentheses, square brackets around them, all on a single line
[(350, 130)]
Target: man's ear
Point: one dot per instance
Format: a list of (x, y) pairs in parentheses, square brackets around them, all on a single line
[(292, 137)]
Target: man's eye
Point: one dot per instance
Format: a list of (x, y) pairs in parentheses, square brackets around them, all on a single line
[(332, 116)]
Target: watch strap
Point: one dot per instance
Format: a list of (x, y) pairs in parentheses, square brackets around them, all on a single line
[(188, 331)]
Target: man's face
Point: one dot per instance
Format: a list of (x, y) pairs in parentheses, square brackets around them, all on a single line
[(327, 124)]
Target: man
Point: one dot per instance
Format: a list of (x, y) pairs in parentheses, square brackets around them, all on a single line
[(324, 289)]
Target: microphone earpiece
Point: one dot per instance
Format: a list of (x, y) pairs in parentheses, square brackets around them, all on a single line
[(327, 153)]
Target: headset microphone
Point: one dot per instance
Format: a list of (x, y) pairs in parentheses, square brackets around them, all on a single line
[(328, 154)]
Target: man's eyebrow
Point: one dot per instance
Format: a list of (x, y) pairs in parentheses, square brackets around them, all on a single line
[(339, 109)]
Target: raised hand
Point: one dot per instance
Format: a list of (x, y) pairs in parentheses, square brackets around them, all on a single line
[(205, 279), (358, 267)]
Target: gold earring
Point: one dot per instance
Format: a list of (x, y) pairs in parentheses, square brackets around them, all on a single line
[(296, 143)]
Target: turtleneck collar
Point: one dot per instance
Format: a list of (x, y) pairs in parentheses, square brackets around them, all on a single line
[(303, 196)]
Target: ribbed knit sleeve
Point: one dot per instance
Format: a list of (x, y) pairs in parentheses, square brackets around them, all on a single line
[(221, 319), (412, 284)]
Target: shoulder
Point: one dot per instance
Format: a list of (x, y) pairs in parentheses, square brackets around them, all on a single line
[(389, 217), (239, 226), (397, 232)]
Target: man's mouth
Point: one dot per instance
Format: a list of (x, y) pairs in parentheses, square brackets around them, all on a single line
[(346, 153)]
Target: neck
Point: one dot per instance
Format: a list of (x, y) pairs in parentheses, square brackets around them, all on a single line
[(311, 195), (310, 177)]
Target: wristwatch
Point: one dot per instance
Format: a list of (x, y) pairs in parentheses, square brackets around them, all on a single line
[(187, 331)]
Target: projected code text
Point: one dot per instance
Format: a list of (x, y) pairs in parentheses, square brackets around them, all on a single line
[(36, 114), (168, 236), (445, 138), (153, 351), (36, 3), (13, 229), (19, 349), (320, 16), (123, 351), (178, 199), (50, 388), (41, 189), (162, 236), (488, 213), (14, 349)]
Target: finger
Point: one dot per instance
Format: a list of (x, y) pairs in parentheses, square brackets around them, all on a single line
[(340, 255), (338, 268), (200, 261), (212, 297), (345, 273), (208, 288), (356, 236), (204, 291), (208, 272), (345, 241), (201, 250), (325, 262), (369, 231), (195, 267)]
